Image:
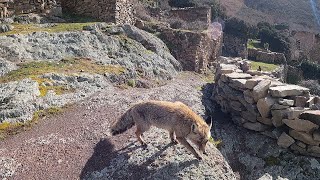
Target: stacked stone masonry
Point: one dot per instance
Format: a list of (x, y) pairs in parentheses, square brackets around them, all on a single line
[(262, 103), (192, 14), (115, 11), (194, 50), (14, 7), (266, 57)]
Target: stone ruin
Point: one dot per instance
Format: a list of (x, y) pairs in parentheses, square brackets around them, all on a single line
[(192, 14), (261, 103), (16, 7), (115, 11)]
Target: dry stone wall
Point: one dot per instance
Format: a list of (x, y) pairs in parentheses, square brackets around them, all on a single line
[(194, 50), (12, 7), (192, 14), (266, 57), (261, 103), (116, 11)]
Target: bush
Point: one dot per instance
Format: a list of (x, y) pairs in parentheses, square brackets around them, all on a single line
[(241, 29), (310, 70), (313, 85)]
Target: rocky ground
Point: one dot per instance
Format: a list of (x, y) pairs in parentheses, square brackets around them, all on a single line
[(76, 144)]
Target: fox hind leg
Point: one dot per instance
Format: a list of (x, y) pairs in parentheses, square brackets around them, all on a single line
[(173, 138)]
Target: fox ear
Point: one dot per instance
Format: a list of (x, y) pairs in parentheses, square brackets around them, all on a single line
[(194, 127)]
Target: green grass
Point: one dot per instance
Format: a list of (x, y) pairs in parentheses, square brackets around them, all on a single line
[(59, 27), (66, 66), (252, 43), (8, 129), (264, 66)]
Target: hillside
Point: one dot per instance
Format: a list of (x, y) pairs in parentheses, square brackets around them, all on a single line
[(297, 13)]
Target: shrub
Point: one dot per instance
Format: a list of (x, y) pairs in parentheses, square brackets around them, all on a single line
[(310, 70)]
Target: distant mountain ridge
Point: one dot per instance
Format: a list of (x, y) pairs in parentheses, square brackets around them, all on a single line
[(297, 13)]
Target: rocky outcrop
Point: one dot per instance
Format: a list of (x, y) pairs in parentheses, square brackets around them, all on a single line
[(6, 66), (264, 104), (151, 58), (134, 54)]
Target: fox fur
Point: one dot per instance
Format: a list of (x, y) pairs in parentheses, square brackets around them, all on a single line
[(176, 117)]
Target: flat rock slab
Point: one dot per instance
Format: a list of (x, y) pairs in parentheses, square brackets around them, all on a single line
[(304, 137), (300, 125), (313, 116), (287, 90), (238, 76)]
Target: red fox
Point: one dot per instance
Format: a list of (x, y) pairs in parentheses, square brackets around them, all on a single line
[(181, 122)]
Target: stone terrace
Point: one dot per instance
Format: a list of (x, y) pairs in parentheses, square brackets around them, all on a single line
[(281, 111)]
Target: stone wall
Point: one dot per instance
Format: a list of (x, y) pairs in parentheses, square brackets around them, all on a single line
[(116, 11), (14, 7), (281, 111), (266, 57), (194, 50), (192, 14)]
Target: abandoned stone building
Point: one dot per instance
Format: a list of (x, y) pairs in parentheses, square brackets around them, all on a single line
[(115, 11)]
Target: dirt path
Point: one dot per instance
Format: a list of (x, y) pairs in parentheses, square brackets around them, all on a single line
[(75, 143)]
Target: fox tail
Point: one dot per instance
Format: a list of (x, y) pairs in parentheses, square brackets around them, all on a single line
[(124, 123)]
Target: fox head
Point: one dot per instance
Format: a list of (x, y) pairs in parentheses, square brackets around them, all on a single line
[(200, 135)]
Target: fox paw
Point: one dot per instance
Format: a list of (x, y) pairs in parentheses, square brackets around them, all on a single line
[(199, 158), (174, 142)]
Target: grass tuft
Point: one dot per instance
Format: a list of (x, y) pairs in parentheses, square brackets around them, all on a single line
[(59, 27), (8, 129)]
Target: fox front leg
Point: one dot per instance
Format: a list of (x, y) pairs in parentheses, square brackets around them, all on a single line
[(184, 142)]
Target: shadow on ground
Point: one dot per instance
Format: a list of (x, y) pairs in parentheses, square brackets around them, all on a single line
[(105, 152)]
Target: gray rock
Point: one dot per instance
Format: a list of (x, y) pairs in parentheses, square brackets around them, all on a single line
[(300, 125), (255, 126), (285, 140), (17, 100), (266, 121), (304, 137), (313, 116), (264, 106), (261, 90), (5, 28), (6, 66), (152, 60), (286, 102), (288, 90)]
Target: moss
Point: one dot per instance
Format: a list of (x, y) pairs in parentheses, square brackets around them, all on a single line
[(131, 83), (66, 66), (217, 143), (8, 129), (59, 27), (264, 66), (272, 161)]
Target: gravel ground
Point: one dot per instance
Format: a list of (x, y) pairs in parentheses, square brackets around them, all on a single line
[(76, 144)]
